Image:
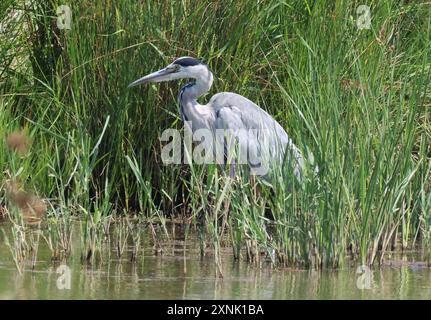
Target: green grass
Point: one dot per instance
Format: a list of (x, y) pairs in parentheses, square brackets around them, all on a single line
[(357, 100)]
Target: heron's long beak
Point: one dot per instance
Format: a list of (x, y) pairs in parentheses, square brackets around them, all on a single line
[(157, 76)]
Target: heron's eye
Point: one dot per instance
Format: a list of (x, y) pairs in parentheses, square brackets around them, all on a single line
[(174, 68)]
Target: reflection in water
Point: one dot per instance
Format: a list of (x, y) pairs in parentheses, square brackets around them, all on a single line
[(180, 273)]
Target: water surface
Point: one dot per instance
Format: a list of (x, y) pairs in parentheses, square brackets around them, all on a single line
[(181, 273)]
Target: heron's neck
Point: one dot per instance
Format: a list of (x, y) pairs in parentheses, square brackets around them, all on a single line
[(191, 91), (201, 85)]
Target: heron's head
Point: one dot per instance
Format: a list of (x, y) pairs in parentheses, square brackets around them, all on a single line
[(184, 67)]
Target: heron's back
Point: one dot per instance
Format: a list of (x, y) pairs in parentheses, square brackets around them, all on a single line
[(233, 111)]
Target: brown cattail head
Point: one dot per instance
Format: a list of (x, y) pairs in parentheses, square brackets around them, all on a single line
[(39, 207), (18, 141), (16, 193), (31, 206), (35, 208)]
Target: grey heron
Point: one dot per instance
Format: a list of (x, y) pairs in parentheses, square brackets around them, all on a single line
[(269, 142)]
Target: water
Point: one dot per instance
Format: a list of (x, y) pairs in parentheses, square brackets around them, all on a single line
[(180, 273)]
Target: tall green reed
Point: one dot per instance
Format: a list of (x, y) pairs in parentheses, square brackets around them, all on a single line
[(356, 102)]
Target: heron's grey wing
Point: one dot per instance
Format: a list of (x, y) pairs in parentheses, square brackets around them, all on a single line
[(229, 132), (265, 136)]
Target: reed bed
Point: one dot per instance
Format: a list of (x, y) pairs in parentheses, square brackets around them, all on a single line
[(356, 102)]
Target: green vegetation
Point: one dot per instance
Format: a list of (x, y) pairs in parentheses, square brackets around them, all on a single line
[(359, 100)]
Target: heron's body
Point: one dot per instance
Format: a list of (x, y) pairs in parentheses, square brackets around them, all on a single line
[(231, 112)]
